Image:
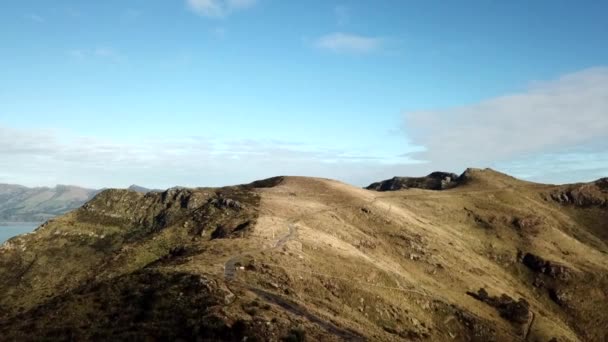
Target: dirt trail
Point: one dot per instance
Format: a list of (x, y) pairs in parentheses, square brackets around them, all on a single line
[(230, 271), (286, 304), (230, 265)]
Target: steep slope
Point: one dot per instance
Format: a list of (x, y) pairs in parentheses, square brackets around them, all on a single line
[(494, 259), (22, 204)]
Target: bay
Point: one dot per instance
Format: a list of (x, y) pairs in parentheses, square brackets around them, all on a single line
[(11, 229)]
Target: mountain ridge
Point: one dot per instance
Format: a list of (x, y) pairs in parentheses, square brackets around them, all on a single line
[(23, 204), (440, 180), (20, 203), (279, 259)]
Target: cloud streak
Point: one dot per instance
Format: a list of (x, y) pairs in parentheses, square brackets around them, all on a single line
[(35, 18), (568, 166), (103, 53), (50, 157), (218, 8), (550, 116), (349, 43)]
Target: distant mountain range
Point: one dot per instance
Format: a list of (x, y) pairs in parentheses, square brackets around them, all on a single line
[(22, 204)]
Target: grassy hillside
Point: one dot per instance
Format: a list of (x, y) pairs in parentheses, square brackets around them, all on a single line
[(292, 258)]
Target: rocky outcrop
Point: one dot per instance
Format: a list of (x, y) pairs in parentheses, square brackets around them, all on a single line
[(546, 267), (593, 194), (517, 312), (434, 181), (197, 209), (121, 230)]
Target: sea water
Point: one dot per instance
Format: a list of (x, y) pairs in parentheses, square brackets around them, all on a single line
[(8, 230)]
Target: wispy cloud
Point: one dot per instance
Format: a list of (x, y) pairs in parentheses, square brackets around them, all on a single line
[(131, 14), (549, 118), (351, 43), (35, 18), (78, 54), (218, 8), (73, 13), (240, 4), (107, 53), (342, 14), (45, 157), (104, 53), (218, 32), (568, 166)]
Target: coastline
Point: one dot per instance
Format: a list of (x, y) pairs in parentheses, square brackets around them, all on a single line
[(9, 230), (19, 223)]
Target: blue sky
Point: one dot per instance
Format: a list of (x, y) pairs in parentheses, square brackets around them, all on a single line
[(213, 92)]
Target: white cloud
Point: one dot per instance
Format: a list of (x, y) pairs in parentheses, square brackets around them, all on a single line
[(568, 166), (346, 42), (218, 8), (38, 157), (551, 116)]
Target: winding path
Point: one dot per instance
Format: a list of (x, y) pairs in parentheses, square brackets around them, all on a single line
[(287, 304), (230, 265), (230, 270)]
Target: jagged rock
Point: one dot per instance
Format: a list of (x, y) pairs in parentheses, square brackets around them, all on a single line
[(514, 311), (231, 230), (434, 181), (549, 268), (226, 203), (560, 297), (593, 194), (527, 222)]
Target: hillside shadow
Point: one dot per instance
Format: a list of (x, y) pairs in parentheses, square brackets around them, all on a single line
[(299, 310)]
